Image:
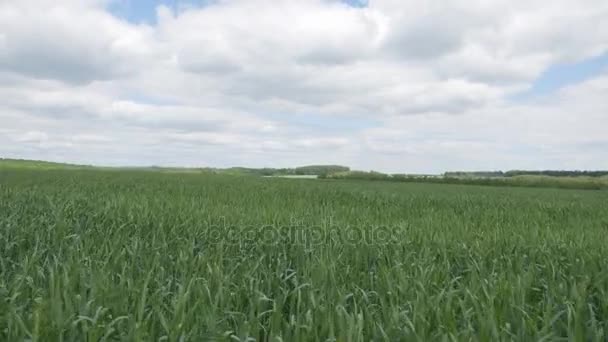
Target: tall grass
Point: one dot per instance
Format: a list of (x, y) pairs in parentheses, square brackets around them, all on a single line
[(100, 255)]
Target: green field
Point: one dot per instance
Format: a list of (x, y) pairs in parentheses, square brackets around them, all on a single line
[(88, 255)]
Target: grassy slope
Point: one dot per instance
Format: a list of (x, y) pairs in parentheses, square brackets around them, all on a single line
[(141, 255), (38, 165), (22, 164)]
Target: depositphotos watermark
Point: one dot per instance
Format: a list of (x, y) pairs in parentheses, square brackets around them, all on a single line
[(303, 234)]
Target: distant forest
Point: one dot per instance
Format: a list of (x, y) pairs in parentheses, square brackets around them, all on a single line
[(513, 173), (308, 170)]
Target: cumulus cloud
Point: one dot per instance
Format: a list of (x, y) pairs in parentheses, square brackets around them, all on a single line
[(396, 85), (68, 41)]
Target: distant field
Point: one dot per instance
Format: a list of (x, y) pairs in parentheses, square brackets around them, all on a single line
[(132, 255)]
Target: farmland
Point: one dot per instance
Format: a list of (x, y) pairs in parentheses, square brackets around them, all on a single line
[(90, 254)]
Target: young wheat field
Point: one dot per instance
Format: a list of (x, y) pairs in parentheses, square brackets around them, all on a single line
[(93, 255)]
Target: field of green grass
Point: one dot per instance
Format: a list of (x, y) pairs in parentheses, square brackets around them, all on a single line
[(94, 255)]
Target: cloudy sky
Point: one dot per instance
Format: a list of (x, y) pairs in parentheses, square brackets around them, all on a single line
[(389, 85)]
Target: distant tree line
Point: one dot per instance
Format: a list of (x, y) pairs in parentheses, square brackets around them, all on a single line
[(474, 174), (544, 181), (513, 173), (320, 169), (363, 175), (557, 173), (268, 171)]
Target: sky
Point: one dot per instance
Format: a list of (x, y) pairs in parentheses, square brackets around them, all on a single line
[(387, 85)]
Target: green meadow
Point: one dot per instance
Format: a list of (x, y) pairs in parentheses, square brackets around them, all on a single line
[(131, 255)]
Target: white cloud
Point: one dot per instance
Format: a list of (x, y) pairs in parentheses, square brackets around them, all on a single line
[(566, 131), (69, 41), (32, 136), (398, 85)]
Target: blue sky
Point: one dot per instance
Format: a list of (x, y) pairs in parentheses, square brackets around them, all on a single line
[(389, 85), (144, 11), (138, 11), (561, 75)]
